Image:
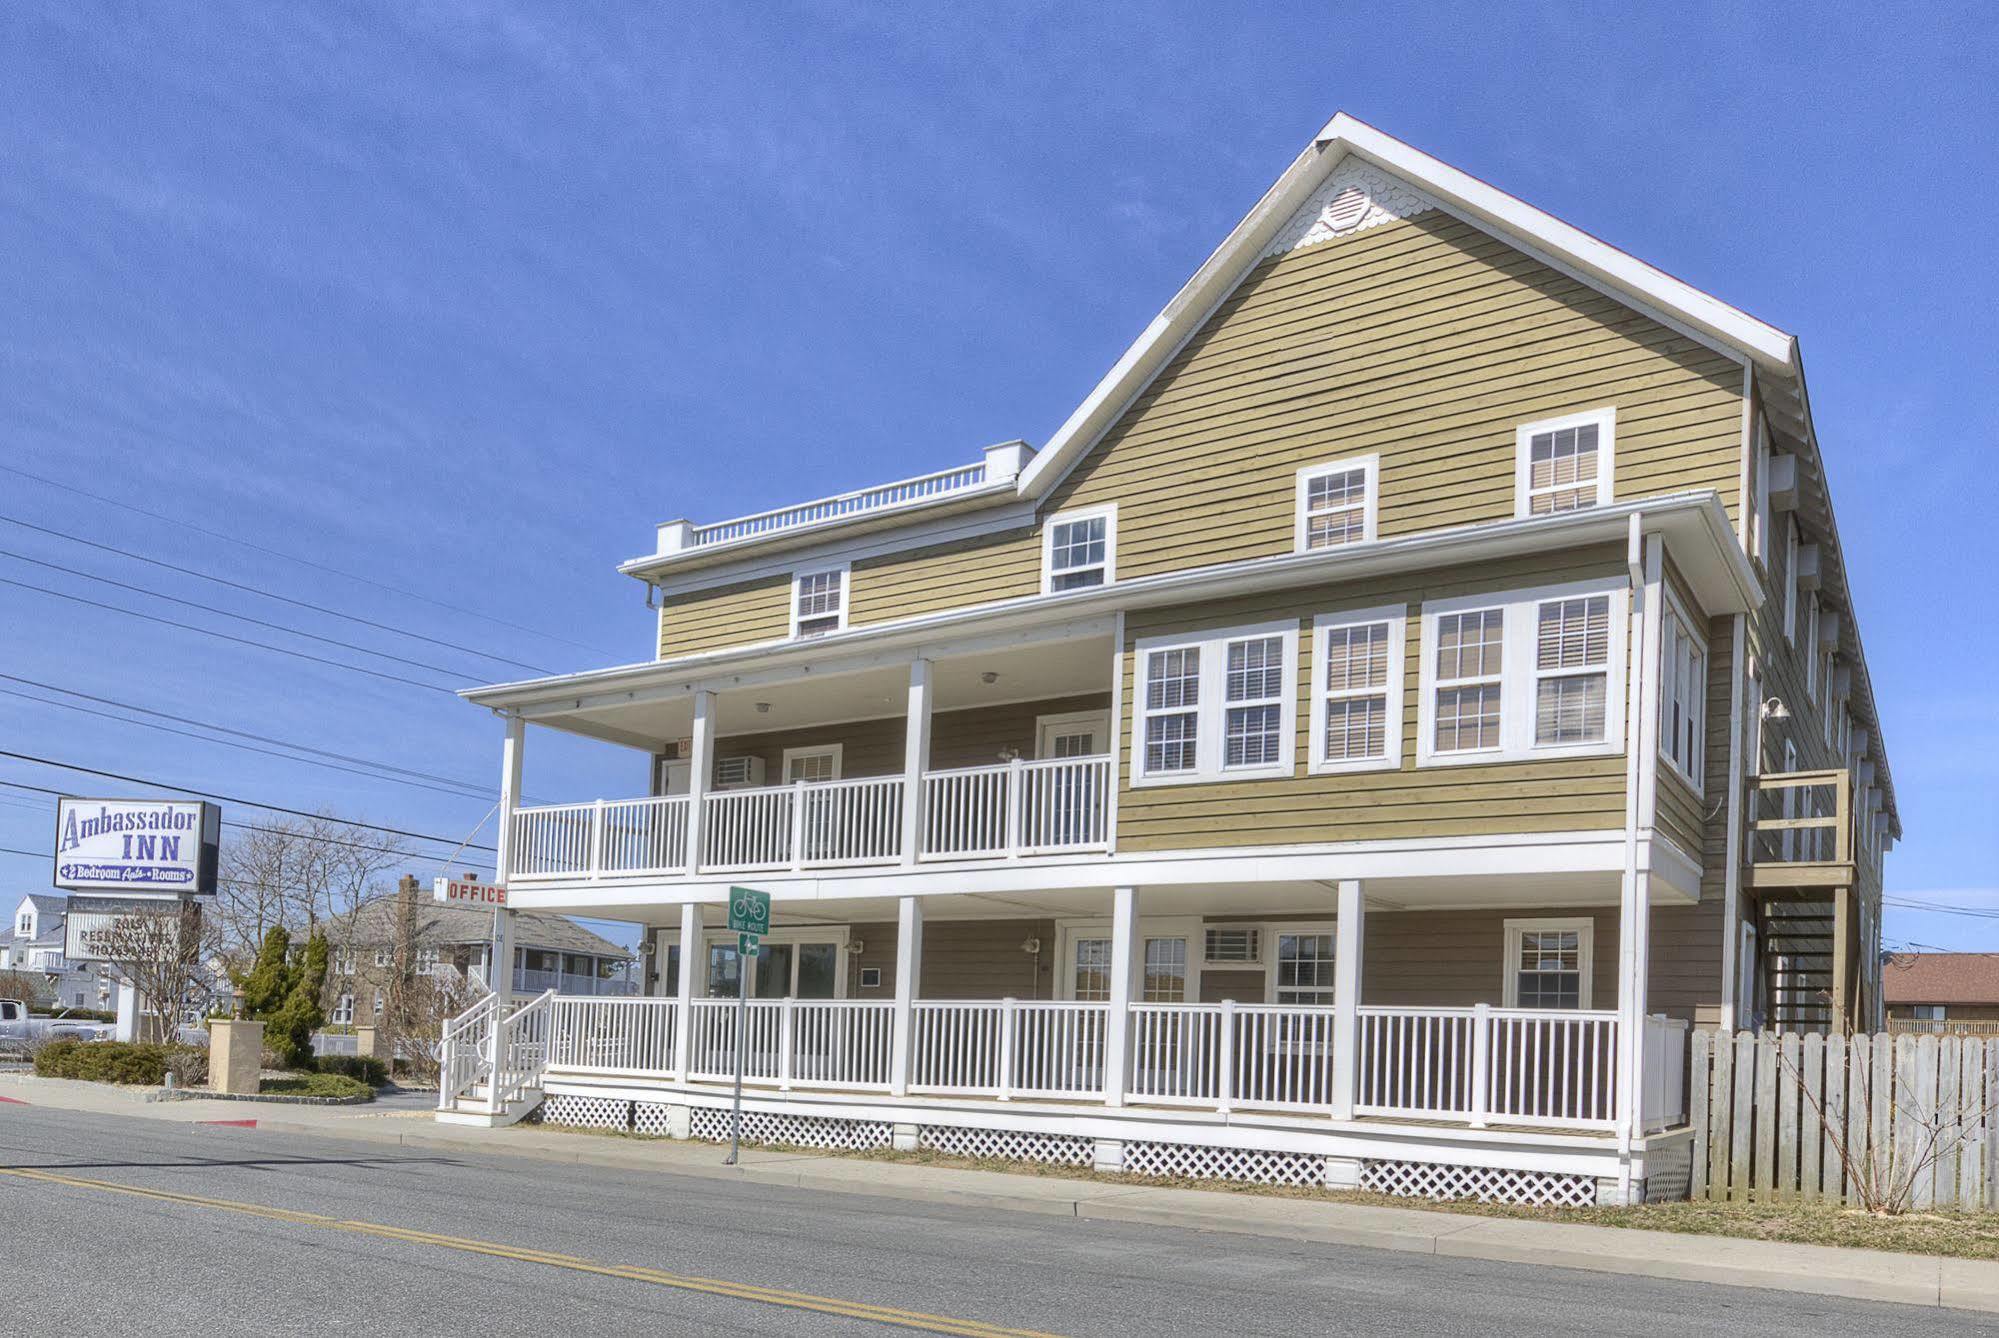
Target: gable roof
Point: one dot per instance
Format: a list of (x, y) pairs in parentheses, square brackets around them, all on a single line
[(44, 903), (443, 924), (1940, 978)]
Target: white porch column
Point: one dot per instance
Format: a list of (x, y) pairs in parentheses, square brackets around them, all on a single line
[(510, 796), (1347, 947), (1126, 960), (700, 768), (691, 961), (908, 974), (915, 758), (1634, 917)]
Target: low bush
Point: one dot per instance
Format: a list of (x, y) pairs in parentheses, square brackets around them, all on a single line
[(316, 1084), (118, 1062), (364, 1068)]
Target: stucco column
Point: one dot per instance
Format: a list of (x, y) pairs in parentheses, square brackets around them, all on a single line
[(1347, 949), (1127, 959), (908, 976), (690, 962)]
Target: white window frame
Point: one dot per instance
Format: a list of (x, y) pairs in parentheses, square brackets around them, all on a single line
[(1605, 420), (1108, 513), (1760, 517), (1396, 616), (800, 576), (1211, 710), (1791, 581), (1190, 928), (1518, 675), (1273, 937), (1679, 624), (1370, 469), (1811, 646), (838, 935), (837, 751), (343, 1011), (1585, 929)]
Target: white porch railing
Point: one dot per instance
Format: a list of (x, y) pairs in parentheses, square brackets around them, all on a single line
[(1481, 1065), (1013, 809), (465, 1057), (880, 498), (520, 1050), (1473, 1066)]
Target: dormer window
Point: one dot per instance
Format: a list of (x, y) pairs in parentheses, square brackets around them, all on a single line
[(1079, 550), (1564, 464), (818, 602)]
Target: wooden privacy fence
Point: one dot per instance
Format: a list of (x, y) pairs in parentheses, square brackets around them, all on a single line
[(1876, 1120)]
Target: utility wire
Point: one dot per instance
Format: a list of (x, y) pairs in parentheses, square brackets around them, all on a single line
[(239, 617), (479, 791), (267, 594), (224, 636), (229, 799), (305, 562), (457, 793)]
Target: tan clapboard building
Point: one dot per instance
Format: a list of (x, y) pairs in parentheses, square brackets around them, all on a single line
[(1417, 683)]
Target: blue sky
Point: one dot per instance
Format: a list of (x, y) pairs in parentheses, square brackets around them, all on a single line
[(463, 298)]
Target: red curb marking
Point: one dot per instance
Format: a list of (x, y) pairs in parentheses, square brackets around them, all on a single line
[(230, 1124), (13, 1100)]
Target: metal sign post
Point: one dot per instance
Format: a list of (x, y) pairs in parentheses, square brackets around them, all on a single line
[(749, 917)]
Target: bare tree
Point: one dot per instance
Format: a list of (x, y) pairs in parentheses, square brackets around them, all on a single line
[(160, 951), (302, 873)]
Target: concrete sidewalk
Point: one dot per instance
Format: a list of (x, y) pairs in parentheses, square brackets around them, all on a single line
[(1815, 1269)]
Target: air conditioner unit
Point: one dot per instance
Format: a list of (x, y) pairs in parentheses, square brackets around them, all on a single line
[(739, 773), (1232, 945)]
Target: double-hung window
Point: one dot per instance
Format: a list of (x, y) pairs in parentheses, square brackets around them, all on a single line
[(1217, 705), (1810, 646), (1079, 549), (1525, 674), (1357, 689), (818, 602), (1337, 503), (1302, 971), (1564, 464), (1682, 694), (1548, 963)]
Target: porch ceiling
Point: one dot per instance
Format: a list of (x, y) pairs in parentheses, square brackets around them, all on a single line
[(1027, 672)]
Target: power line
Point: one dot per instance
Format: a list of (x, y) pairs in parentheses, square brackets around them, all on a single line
[(224, 636), (306, 562), (239, 617), (228, 799), (466, 792), (479, 790), (267, 594)]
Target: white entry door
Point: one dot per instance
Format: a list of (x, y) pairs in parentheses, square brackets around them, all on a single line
[(1077, 734)]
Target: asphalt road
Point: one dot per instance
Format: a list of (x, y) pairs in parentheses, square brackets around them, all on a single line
[(113, 1225)]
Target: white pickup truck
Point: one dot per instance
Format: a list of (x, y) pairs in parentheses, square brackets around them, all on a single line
[(19, 1030)]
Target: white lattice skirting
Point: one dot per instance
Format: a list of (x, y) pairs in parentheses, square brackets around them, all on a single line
[(1248, 1165), (710, 1124), (1008, 1145), (1486, 1184), (585, 1112)]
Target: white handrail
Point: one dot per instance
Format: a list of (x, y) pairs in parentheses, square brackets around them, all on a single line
[(520, 1051), (596, 1035), (878, 498), (464, 1052)]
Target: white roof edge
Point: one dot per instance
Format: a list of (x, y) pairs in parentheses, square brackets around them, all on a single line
[(1619, 271)]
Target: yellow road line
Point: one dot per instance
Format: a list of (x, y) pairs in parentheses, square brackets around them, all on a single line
[(743, 1291)]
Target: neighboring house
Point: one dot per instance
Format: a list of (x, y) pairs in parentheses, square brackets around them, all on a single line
[(1418, 680), (550, 952), (1942, 991), (33, 944)]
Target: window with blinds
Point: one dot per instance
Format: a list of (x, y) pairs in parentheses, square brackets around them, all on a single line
[(1218, 706), (1357, 716), (1564, 464), (1337, 503), (1172, 710), (819, 602), (1572, 670)]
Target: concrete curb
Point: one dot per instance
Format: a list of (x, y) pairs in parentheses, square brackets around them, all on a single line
[(1820, 1270)]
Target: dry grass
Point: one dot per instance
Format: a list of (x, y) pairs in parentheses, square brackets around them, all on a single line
[(1954, 1235)]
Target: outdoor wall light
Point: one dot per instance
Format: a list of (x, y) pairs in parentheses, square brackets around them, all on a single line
[(1774, 709), (989, 677)]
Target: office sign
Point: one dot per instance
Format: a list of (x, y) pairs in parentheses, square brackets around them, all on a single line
[(470, 892), (137, 846)]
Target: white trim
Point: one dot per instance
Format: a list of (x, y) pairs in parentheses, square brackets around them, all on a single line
[(846, 575), (1068, 932), (1369, 467), (1603, 419), (1791, 581), (1106, 513), (1100, 720), (1585, 928), (1274, 930), (1679, 623), (1518, 674), (1211, 707), (837, 751), (1323, 624)]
